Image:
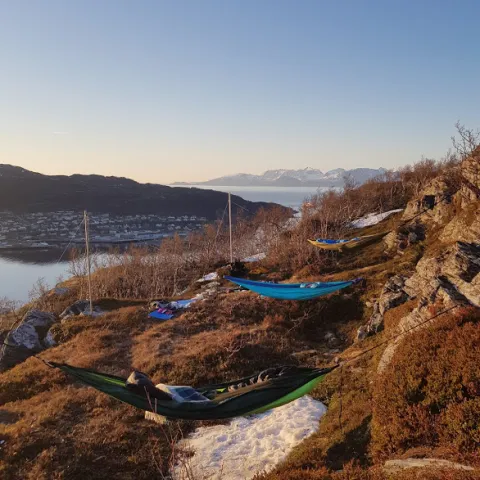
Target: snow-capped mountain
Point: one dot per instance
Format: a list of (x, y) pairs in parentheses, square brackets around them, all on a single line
[(305, 177)]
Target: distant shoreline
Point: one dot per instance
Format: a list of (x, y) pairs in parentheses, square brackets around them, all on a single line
[(59, 246), (267, 185)]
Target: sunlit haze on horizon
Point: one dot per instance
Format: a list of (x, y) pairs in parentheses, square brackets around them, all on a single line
[(186, 91)]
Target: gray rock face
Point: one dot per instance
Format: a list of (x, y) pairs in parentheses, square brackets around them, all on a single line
[(439, 190), (407, 235), (26, 339), (451, 278), (464, 226), (392, 295), (75, 309)]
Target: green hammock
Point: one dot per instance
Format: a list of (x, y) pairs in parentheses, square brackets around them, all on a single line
[(227, 400)]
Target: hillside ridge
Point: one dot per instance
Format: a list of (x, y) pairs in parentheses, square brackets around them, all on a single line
[(304, 177), (24, 191), (404, 403)]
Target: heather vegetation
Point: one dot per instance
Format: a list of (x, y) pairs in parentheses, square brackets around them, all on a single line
[(417, 405), (423, 404)]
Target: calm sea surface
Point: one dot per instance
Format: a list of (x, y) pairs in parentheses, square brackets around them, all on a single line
[(288, 196), (20, 270)]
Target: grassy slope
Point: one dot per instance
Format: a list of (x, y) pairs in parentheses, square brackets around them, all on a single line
[(54, 428)]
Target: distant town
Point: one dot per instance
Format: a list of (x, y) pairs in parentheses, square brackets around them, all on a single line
[(52, 229)]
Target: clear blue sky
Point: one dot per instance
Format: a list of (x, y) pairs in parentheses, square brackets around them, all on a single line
[(189, 90)]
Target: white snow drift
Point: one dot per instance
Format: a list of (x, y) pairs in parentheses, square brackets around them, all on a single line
[(208, 277), (254, 258), (249, 445), (373, 218)]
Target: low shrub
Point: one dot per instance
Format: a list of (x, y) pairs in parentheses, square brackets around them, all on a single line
[(429, 393)]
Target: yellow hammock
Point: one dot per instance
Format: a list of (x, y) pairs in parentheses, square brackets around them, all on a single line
[(339, 245)]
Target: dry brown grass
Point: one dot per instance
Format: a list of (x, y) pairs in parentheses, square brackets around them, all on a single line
[(238, 334), (54, 428), (78, 433)]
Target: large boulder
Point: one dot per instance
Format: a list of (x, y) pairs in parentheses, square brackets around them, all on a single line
[(27, 339), (80, 308)]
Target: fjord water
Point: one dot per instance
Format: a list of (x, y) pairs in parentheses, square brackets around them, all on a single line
[(288, 196), (20, 270)]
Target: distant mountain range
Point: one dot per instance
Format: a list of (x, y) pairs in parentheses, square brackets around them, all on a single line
[(23, 191), (306, 177)]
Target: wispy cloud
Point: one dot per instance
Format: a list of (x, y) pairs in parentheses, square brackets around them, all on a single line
[(60, 133)]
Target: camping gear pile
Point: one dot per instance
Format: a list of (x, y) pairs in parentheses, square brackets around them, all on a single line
[(166, 310)]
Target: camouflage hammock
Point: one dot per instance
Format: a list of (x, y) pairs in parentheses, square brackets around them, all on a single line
[(270, 389)]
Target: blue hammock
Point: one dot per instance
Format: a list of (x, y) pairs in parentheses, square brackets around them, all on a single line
[(292, 291), (346, 244), (334, 242)]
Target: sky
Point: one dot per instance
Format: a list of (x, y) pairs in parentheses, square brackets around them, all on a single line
[(162, 91)]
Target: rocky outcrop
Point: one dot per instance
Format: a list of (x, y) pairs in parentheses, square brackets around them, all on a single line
[(392, 295), (26, 339), (433, 201), (80, 308), (448, 279), (452, 276), (448, 210), (395, 466), (471, 169), (455, 201), (465, 226), (399, 240)]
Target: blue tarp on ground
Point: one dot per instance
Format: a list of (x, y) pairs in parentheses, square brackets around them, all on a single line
[(160, 316), (168, 310)]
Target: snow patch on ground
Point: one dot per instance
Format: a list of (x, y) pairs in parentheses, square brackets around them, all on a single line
[(208, 277), (373, 218), (249, 445), (254, 258)]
